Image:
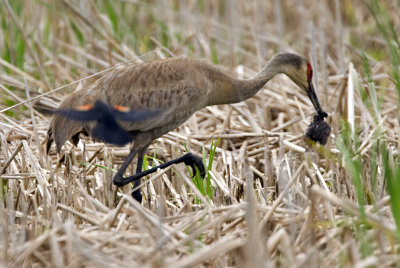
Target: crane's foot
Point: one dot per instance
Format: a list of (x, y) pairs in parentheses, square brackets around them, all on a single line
[(194, 162), (189, 159), (137, 195), (121, 181)]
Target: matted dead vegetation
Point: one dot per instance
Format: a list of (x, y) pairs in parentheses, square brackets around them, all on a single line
[(275, 202)]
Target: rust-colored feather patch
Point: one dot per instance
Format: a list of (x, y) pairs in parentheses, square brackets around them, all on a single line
[(121, 108), (86, 107)]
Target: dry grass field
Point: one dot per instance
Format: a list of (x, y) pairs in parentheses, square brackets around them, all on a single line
[(268, 200)]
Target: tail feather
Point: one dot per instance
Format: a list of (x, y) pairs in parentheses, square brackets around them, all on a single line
[(49, 140), (62, 129)]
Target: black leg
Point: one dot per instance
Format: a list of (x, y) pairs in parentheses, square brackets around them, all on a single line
[(189, 159), (119, 179), (137, 194)]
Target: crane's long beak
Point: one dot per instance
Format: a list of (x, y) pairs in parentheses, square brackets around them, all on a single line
[(313, 97)]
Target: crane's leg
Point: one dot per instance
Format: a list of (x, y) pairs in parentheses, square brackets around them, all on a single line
[(137, 194), (189, 159), (118, 179)]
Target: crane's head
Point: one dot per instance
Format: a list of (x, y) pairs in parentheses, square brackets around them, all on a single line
[(300, 71)]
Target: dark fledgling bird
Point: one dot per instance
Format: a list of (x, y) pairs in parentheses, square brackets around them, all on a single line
[(319, 130), (178, 87)]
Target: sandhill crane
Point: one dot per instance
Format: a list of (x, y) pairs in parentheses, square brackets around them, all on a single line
[(177, 88)]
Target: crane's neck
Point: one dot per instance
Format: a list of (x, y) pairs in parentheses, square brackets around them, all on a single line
[(231, 90)]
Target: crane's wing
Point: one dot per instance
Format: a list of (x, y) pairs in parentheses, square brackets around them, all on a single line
[(76, 114), (134, 115)]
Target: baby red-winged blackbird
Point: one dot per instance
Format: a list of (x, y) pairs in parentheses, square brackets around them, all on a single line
[(319, 130)]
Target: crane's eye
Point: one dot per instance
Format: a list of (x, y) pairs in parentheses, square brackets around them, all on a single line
[(309, 72)]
